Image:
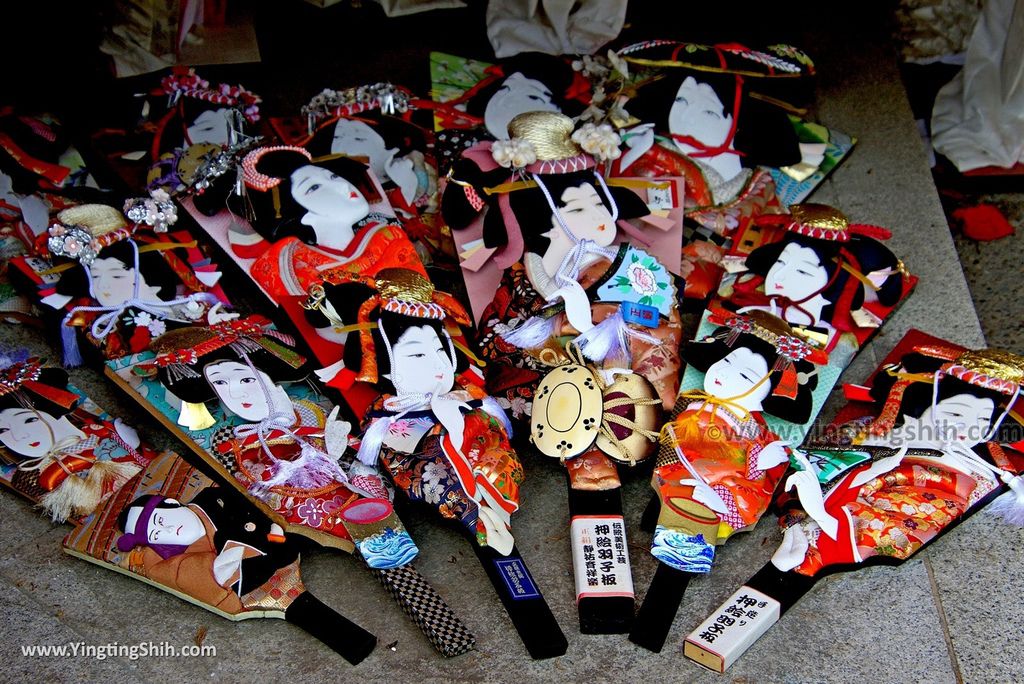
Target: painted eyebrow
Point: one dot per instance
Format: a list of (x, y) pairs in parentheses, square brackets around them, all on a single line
[(962, 404)]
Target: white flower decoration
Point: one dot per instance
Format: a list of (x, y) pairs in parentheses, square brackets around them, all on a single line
[(143, 318), (600, 141), (157, 327), (515, 153)]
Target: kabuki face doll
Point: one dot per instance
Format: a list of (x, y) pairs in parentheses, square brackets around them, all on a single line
[(422, 361), (167, 524), (241, 363), (241, 389), (739, 374), (698, 122)]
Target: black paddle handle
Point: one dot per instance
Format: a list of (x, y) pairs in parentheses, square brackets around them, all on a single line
[(341, 635), (523, 601), (658, 611)]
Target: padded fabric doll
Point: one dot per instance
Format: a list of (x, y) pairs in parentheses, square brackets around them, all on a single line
[(317, 215), (700, 121), (123, 287), (275, 445), (443, 442), (822, 272), (955, 422), (211, 548), (566, 278), (199, 113), (719, 473), (57, 453), (527, 82)]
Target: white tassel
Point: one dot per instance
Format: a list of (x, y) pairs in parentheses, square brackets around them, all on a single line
[(311, 470), (532, 334), (79, 495), (1010, 505), (606, 340), (373, 439), (493, 408)]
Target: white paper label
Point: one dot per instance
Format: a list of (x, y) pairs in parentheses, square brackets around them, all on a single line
[(660, 198), (600, 557), (738, 623)]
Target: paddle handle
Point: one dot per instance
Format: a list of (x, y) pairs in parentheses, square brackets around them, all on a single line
[(421, 602), (658, 611), (526, 607), (341, 635)]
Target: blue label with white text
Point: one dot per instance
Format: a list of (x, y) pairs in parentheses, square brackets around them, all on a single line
[(640, 314), (517, 579)]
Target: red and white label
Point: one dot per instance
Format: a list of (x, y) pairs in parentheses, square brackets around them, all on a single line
[(600, 557)]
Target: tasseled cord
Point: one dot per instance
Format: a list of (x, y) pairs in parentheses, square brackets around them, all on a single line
[(609, 340), (532, 334)]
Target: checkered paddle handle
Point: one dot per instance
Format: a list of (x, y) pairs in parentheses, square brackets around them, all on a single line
[(420, 601)]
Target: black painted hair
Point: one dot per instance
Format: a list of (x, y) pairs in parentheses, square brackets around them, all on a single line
[(140, 503), (277, 222), (198, 390), (153, 268), (701, 354), (763, 132), (395, 326), (54, 377), (397, 134), (554, 72), (868, 255)]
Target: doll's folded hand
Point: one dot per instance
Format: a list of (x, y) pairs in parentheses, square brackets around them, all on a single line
[(217, 314), (808, 491), (336, 434), (772, 455), (792, 550), (704, 494), (127, 433)]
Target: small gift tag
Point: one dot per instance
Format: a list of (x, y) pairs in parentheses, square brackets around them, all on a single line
[(640, 314)]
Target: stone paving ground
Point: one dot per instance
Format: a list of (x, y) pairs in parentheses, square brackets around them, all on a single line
[(951, 614)]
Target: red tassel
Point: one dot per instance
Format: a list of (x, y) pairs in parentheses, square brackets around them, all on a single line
[(983, 222)]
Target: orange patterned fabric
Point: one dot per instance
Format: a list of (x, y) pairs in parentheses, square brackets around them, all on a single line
[(291, 267), (894, 514)]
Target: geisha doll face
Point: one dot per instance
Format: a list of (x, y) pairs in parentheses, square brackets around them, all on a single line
[(327, 194), (516, 95), (421, 363), (797, 274), (962, 418), (113, 282), (698, 112), (27, 432), (356, 139), (240, 389), (736, 374), (586, 215), (211, 126)]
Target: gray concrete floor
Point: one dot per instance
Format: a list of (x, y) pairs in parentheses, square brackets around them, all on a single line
[(951, 614)]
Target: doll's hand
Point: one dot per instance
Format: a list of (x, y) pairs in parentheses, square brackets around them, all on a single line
[(217, 314), (792, 550), (808, 491), (638, 139), (772, 455), (336, 434), (704, 494), (127, 433)]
